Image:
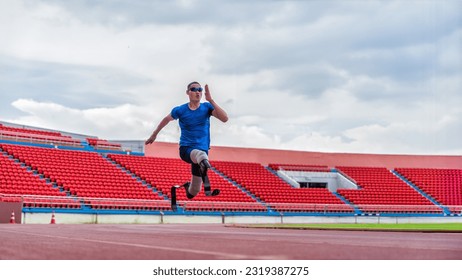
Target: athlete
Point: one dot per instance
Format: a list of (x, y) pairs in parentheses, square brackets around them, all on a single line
[(194, 121)]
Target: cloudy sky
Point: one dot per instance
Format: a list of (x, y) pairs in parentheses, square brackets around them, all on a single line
[(330, 76)]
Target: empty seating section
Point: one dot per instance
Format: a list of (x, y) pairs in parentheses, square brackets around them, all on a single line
[(31, 131), (37, 136), (279, 195), (163, 173), (159, 172), (443, 185), (85, 175), (59, 178), (16, 181), (381, 191)]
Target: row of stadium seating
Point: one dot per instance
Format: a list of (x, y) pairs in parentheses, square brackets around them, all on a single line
[(30, 131), (298, 167), (37, 136), (79, 179), (18, 134), (102, 144)]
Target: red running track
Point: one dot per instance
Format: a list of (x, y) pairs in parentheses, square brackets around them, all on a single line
[(217, 241)]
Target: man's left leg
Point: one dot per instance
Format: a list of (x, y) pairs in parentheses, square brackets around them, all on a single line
[(196, 182), (201, 163)]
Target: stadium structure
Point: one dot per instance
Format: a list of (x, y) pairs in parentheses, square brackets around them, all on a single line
[(73, 178)]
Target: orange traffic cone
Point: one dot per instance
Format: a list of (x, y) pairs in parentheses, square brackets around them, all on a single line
[(12, 218), (53, 221)]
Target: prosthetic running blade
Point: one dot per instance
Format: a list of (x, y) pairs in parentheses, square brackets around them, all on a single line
[(173, 199)]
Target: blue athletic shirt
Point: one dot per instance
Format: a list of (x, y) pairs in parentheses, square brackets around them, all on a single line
[(194, 124)]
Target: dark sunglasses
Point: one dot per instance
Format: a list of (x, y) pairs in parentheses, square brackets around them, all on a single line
[(194, 89)]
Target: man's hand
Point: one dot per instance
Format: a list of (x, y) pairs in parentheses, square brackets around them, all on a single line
[(208, 95), (151, 139), (217, 112)]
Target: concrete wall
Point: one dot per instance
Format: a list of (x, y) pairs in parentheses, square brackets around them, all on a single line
[(63, 218)]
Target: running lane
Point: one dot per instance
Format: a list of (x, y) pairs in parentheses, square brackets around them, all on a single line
[(216, 241)]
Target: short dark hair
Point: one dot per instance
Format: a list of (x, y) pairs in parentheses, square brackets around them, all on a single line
[(191, 83)]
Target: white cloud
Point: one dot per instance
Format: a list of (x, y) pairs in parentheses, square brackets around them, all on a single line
[(122, 122), (381, 76)]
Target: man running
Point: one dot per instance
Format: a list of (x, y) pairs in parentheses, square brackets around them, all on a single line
[(194, 120)]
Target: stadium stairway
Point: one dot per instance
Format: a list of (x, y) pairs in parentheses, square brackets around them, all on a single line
[(356, 209), (138, 178), (242, 188)]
